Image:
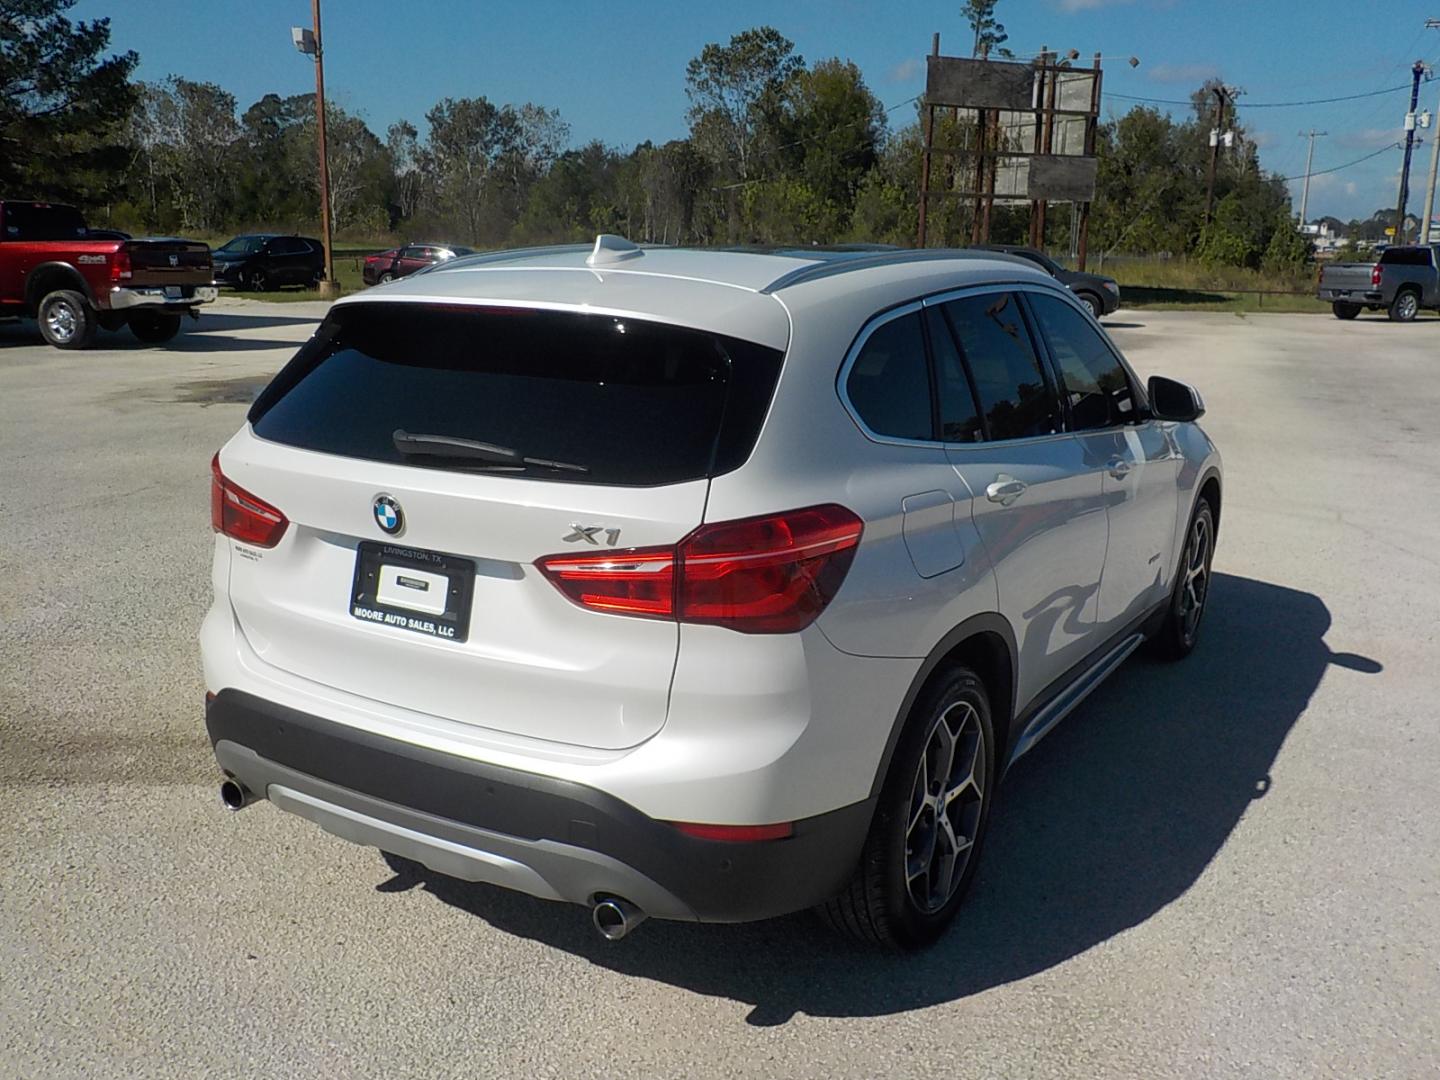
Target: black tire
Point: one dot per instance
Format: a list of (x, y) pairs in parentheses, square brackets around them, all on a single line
[(386, 276), (1405, 306), (1345, 310), (67, 321), (1091, 301), (258, 281), (878, 906), (1181, 628), (154, 327)]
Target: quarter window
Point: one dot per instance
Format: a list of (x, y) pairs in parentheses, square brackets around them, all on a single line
[(1009, 381), (889, 383), (1093, 380)]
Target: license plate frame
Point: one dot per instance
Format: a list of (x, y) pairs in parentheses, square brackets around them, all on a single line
[(453, 624), (174, 292)]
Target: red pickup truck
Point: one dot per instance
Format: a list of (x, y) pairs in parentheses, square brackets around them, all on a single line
[(52, 271)]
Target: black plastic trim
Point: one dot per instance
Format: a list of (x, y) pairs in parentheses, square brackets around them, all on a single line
[(986, 622), (721, 881)]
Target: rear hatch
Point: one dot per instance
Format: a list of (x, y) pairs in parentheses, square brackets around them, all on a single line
[(406, 574), (168, 262)]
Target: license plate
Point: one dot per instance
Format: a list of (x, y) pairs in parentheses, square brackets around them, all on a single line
[(173, 292), (422, 592)]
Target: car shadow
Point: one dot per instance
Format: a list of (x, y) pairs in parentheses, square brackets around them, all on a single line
[(1115, 815), (1111, 324), (213, 331)]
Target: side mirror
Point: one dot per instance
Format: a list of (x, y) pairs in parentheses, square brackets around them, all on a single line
[(1173, 400)]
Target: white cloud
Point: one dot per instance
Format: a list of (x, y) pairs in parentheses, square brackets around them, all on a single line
[(1352, 188), (1193, 74), (904, 71), (1089, 5), (1262, 139)]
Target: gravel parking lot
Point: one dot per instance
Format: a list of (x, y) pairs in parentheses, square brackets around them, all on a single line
[(1227, 867)]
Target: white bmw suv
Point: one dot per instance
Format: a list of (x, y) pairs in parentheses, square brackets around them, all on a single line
[(706, 585)]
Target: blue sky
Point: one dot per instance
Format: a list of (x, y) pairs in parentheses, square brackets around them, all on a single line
[(616, 69)]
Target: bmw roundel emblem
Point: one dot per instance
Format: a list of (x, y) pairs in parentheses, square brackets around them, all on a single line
[(388, 514)]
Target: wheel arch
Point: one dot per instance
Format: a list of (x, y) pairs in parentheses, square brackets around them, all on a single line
[(1210, 489), (50, 276), (983, 642)]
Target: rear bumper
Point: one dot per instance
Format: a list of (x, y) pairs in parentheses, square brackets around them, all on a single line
[(122, 299), (537, 834), (1353, 296)]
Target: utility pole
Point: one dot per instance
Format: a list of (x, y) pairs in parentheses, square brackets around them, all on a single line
[(1216, 137), (1418, 71), (308, 42), (1309, 160), (1431, 24)]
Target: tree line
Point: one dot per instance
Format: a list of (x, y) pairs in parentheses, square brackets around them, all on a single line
[(778, 151)]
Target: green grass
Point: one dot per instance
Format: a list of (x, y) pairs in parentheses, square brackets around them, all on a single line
[(1183, 285)]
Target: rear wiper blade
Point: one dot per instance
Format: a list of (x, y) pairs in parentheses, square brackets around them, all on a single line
[(455, 448)]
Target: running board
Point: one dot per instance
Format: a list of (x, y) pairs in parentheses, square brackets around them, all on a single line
[(1073, 695)]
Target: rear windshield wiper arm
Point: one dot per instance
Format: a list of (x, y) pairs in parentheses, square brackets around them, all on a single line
[(456, 448)]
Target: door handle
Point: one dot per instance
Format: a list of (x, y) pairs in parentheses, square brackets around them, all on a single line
[(1005, 490), (1118, 467)]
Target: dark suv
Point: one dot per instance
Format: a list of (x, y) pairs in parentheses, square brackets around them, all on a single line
[(1098, 293), (264, 261)]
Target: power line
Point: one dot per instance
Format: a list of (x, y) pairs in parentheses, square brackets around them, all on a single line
[(1321, 172), (1266, 104)]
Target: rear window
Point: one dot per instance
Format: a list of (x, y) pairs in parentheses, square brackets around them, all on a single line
[(629, 402), (41, 221), (1407, 256)]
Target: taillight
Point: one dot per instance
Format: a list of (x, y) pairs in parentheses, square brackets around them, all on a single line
[(1375, 275), (120, 266), (240, 515), (765, 575)]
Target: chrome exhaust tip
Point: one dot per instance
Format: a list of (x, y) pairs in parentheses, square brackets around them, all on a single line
[(235, 795), (614, 917)]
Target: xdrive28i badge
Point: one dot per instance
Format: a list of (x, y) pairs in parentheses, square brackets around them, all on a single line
[(388, 514)]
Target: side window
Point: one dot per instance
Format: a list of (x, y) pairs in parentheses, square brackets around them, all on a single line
[(285, 246), (889, 383), (1093, 380), (1009, 381), (412, 253), (959, 418)]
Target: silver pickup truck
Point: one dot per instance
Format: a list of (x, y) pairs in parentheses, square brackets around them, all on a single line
[(1405, 280)]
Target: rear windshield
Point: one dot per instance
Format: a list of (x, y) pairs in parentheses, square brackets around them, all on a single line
[(1406, 256), (616, 400), (41, 221)]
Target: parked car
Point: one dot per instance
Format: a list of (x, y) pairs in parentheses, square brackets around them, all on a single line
[(404, 261), (262, 261), (545, 577), (1098, 293), (105, 234), (73, 283), (1402, 281)]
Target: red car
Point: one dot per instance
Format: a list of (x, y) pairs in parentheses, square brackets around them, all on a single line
[(398, 262)]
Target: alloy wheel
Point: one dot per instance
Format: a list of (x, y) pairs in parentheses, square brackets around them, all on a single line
[(1408, 306), (945, 803), (1197, 577), (62, 320)]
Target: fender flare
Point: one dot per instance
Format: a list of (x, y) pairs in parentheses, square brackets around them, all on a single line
[(989, 622), (75, 279)]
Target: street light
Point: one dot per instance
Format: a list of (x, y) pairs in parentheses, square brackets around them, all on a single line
[(308, 42)]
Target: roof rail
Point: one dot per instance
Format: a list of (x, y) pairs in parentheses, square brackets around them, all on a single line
[(893, 257)]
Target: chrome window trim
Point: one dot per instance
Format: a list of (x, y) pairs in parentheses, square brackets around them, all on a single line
[(881, 318)]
